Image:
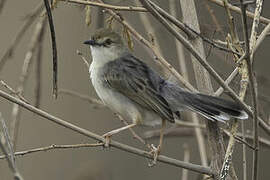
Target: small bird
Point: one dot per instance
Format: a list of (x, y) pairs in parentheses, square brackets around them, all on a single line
[(139, 94)]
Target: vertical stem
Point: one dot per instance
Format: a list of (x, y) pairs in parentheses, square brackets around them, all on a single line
[(201, 75), (244, 152), (156, 44)]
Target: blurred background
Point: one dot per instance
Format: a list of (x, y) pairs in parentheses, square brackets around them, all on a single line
[(98, 163)]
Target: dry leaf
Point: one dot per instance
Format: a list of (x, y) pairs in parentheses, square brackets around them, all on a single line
[(88, 15)]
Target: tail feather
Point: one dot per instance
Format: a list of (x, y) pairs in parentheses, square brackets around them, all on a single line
[(216, 108), (213, 108)]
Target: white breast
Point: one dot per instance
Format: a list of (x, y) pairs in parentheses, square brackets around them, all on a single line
[(115, 100)]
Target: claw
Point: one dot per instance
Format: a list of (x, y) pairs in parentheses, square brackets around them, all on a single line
[(155, 151)]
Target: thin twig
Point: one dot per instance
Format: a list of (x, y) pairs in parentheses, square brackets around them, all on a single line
[(207, 66), (202, 77), (124, 147), (190, 32), (54, 48), (261, 38), (244, 151), (253, 81), (2, 4), (227, 81), (189, 124), (238, 10), (107, 6), (135, 135), (214, 18), (187, 132), (53, 147), (83, 58), (149, 45), (95, 102), (6, 147), (17, 38), (233, 44), (12, 91), (186, 159), (154, 40), (179, 48), (137, 36), (38, 90), (27, 62)]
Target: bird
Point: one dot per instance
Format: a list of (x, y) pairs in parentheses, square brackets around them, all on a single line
[(135, 91)]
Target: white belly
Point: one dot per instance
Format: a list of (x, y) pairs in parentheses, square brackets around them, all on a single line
[(120, 104)]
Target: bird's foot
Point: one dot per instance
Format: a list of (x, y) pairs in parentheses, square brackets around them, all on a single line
[(155, 151)]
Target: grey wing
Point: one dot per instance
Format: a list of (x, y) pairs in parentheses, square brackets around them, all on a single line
[(138, 82)]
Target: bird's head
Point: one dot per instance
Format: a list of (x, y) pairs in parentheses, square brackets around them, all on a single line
[(106, 42)]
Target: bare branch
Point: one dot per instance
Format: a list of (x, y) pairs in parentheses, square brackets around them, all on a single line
[(187, 132), (207, 66), (202, 77), (253, 81), (186, 159), (54, 48), (95, 102), (124, 147), (238, 10), (38, 33), (17, 38), (6, 147), (261, 38), (107, 6), (53, 147)]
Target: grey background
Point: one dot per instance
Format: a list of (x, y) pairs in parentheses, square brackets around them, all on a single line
[(98, 163)]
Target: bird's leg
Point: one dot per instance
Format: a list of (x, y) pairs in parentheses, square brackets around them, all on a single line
[(136, 136), (108, 135), (156, 151)]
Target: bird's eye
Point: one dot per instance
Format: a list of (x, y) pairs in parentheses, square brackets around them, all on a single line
[(108, 42)]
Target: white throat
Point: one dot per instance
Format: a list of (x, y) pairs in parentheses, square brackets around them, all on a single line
[(102, 55)]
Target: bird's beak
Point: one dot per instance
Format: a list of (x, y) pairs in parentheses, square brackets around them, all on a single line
[(90, 42)]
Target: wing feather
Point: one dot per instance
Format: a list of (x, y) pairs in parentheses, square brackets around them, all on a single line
[(138, 82)]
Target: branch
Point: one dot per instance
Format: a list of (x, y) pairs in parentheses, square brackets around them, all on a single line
[(123, 147), (6, 147), (238, 10), (253, 81), (201, 76), (27, 62), (207, 66), (187, 132), (54, 49), (95, 102), (189, 31), (186, 159), (17, 38), (158, 56), (261, 38), (38, 70), (53, 147), (107, 6)]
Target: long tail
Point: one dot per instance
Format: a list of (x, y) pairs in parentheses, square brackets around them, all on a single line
[(213, 108)]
